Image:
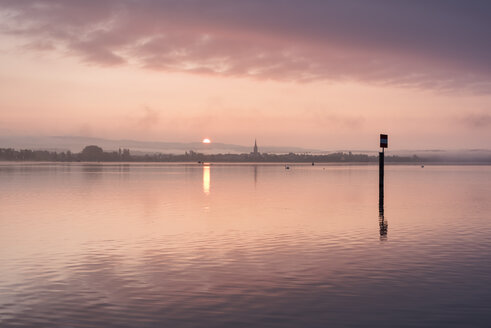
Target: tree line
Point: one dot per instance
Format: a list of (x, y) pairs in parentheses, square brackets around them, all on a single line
[(96, 154)]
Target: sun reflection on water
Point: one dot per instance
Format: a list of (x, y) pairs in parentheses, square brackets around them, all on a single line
[(206, 179)]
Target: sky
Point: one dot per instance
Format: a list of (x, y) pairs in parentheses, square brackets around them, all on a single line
[(313, 73)]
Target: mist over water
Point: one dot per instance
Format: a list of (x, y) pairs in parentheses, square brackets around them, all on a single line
[(245, 245)]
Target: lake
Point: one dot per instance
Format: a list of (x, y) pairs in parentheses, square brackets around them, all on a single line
[(244, 245)]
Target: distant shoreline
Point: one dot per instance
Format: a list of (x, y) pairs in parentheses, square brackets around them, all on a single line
[(95, 154), (218, 164)]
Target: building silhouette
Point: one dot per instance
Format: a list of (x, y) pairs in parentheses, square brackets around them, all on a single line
[(255, 152)]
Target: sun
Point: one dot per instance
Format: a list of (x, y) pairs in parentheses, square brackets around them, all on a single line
[(206, 141)]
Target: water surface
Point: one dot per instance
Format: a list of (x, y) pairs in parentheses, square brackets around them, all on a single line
[(185, 245)]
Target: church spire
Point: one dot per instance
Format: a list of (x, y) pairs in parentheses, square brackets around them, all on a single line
[(255, 147)]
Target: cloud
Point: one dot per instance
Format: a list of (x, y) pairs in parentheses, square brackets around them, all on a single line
[(477, 121), (440, 45)]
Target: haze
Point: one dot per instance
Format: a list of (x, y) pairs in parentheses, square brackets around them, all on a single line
[(320, 74)]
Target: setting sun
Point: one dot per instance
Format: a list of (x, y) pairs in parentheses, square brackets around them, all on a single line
[(206, 141)]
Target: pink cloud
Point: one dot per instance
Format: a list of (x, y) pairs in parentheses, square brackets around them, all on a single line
[(397, 43)]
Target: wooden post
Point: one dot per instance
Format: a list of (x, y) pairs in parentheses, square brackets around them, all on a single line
[(382, 222), (384, 142), (381, 169)]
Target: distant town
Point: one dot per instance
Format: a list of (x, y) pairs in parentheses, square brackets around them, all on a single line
[(95, 153)]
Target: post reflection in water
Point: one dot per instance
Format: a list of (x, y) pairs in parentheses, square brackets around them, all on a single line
[(381, 220), (206, 179), (255, 175)]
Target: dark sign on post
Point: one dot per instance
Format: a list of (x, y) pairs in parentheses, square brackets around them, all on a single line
[(384, 141)]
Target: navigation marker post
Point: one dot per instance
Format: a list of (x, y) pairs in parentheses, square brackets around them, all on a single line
[(384, 142)]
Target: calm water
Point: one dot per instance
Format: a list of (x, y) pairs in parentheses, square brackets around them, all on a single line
[(244, 246)]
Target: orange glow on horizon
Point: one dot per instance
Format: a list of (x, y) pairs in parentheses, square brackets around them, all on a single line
[(206, 141)]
